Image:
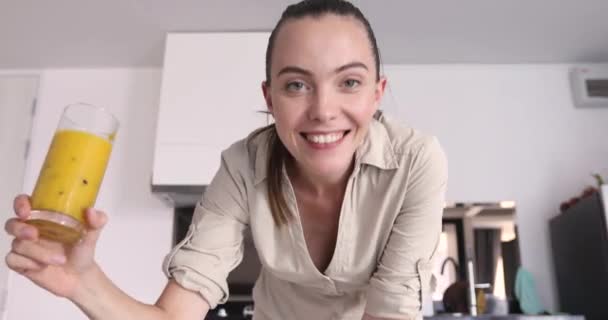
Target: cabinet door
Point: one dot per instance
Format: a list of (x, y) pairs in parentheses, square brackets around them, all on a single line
[(210, 97)]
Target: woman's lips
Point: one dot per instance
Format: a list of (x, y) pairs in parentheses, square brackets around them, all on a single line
[(324, 140)]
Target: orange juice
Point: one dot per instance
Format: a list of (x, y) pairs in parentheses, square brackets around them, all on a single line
[(69, 181)]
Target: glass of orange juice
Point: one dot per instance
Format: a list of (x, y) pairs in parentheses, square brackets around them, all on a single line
[(72, 172)]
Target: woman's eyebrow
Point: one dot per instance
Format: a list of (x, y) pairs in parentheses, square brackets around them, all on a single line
[(354, 64), (294, 69)]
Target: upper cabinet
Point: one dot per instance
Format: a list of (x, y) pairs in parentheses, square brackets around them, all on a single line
[(211, 97)]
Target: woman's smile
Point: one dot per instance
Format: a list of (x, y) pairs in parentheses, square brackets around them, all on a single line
[(326, 140)]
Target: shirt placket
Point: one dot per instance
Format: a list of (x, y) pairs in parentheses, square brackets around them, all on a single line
[(325, 283)]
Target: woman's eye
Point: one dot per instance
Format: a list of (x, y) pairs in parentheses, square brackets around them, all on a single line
[(295, 86), (351, 83)]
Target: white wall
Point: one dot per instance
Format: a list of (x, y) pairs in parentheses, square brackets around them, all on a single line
[(138, 234), (510, 133), (17, 93)]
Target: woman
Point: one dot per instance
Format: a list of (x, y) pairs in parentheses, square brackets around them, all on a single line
[(343, 204)]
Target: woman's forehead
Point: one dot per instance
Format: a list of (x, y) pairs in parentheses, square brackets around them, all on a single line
[(322, 42)]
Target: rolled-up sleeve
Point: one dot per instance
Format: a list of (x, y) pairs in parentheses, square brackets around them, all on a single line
[(213, 245), (404, 269)]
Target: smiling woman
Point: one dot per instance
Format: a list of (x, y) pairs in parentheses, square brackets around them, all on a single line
[(342, 203)]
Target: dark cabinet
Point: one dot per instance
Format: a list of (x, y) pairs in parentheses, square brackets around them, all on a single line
[(579, 240)]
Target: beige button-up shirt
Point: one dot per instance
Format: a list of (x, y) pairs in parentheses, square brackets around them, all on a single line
[(388, 231)]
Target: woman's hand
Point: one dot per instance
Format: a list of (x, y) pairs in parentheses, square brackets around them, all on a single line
[(56, 267)]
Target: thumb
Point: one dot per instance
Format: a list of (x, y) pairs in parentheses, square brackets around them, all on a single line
[(96, 220)]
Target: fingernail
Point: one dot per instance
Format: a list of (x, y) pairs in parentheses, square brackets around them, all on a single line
[(58, 259)]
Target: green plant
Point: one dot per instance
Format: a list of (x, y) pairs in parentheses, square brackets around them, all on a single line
[(598, 179)]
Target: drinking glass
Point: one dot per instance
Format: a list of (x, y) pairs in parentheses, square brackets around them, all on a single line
[(72, 172)]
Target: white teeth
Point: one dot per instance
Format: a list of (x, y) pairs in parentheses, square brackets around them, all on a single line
[(324, 138)]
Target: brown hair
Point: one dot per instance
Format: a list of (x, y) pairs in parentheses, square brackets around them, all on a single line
[(277, 151)]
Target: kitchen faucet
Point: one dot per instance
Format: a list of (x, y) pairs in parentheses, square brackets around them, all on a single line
[(454, 263)]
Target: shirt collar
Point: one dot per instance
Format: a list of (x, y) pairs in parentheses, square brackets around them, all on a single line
[(377, 148)]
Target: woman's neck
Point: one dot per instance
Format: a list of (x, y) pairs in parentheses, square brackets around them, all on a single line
[(318, 185)]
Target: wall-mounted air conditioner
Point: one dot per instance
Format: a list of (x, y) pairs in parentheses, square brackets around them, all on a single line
[(589, 86)]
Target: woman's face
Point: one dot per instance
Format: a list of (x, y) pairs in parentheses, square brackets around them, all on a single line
[(323, 91)]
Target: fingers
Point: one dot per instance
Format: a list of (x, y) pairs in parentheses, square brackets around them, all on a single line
[(96, 220), (22, 206), (34, 251), (21, 264), (20, 230)]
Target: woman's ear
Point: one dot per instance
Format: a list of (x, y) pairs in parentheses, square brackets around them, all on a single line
[(266, 93), (380, 86)]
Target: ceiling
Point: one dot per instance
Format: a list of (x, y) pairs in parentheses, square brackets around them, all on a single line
[(130, 33)]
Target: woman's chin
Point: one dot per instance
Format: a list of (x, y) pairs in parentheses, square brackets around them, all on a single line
[(329, 169)]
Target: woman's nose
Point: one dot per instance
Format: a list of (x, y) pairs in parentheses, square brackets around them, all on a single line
[(323, 106)]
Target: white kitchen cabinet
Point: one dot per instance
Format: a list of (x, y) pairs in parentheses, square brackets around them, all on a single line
[(210, 97)]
